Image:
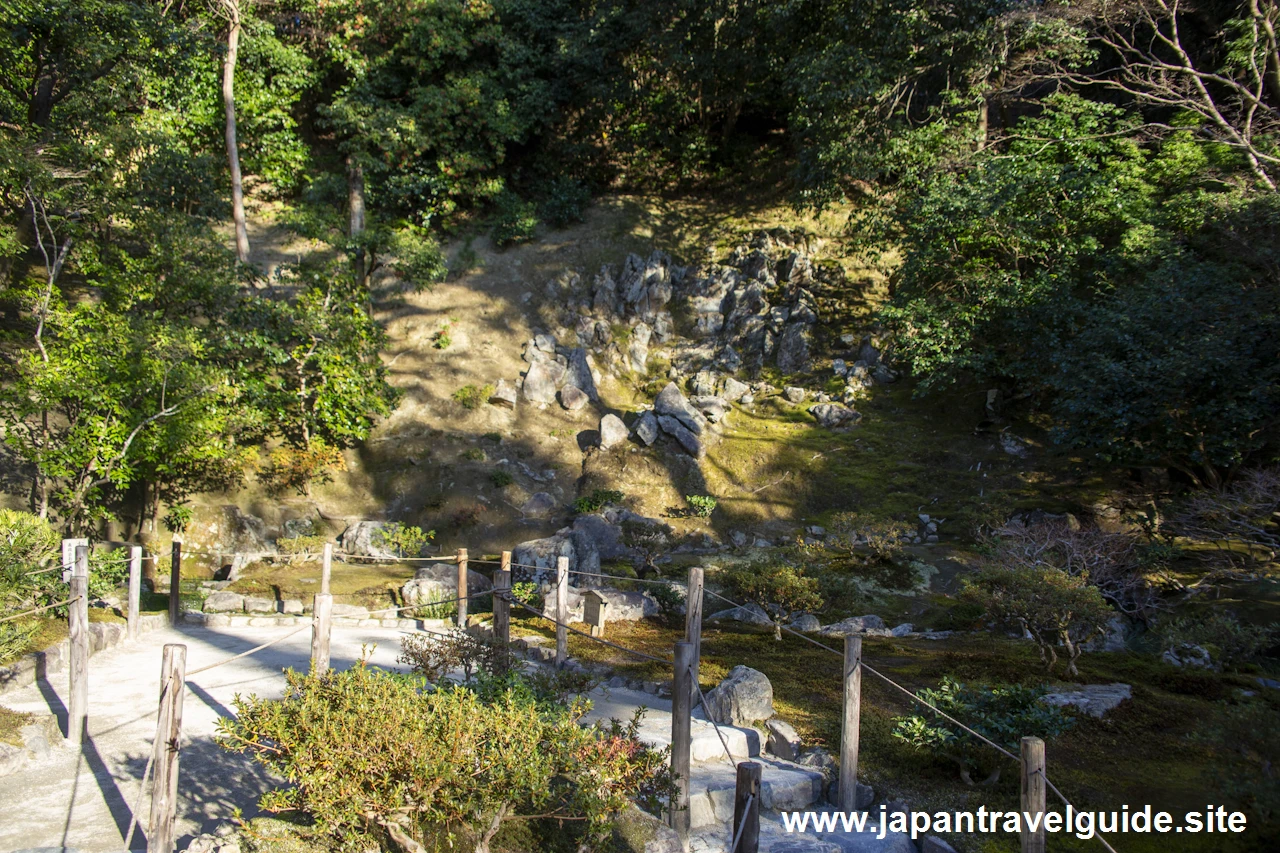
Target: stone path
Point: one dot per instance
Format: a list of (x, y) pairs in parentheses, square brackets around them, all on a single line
[(84, 799)]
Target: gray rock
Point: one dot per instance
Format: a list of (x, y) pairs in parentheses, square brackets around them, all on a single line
[(793, 348), (539, 505), (902, 630), (690, 442), (868, 354), (1093, 699), (292, 607), (1189, 655), (749, 614), (853, 625), (545, 343), (704, 384), (364, 538), (350, 611), (934, 844), (578, 373), (504, 394), (833, 415), (794, 394), (1013, 445), (1269, 683), (883, 375), (672, 403), (638, 348), (636, 831), (543, 554), (733, 390), (573, 398), (541, 381), (744, 697), (714, 409), (628, 606), (739, 539), (806, 624), (612, 431), (1114, 640), (259, 605), (783, 740), (646, 428), (224, 602)]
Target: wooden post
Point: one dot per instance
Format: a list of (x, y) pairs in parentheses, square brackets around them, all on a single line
[(562, 611), (164, 780), (321, 622), (746, 804), (693, 621), (326, 567), (462, 588), (501, 606), (175, 582), (69, 556), (849, 727), (78, 632), (1033, 792), (135, 589), (681, 734)]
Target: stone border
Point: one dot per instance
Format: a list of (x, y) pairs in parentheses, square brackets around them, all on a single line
[(27, 669), (280, 620)]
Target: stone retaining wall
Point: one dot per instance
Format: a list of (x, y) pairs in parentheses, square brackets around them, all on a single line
[(102, 635), (280, 620)]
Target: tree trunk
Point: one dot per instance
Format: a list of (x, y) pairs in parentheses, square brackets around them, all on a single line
[(233, 154), (355, 202)]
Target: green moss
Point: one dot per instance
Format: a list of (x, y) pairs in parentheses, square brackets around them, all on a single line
[(11, 723)]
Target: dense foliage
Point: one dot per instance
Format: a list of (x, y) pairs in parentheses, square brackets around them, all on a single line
[(376, 758)]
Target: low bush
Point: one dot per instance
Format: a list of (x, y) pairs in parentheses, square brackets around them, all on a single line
[(405, 539), (565, 202), (701, 506), (298, 546), (670, 599), (376, 761), (781, 589), (501, 479), (880, 539), (597, 500), (1003, 713), (472, 396), (298, 468), (514, 220), (1229, 641)]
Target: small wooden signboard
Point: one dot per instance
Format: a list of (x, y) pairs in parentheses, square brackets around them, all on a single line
[(594, 611)]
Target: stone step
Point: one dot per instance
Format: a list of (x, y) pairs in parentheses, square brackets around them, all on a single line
[(775, 839), (655, 728), (783, 787)]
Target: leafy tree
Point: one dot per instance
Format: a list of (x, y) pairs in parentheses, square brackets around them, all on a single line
[(1055, 608), (779, 588)]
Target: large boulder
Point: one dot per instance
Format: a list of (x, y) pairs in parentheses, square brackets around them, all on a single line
[(853, 625), (541, 554), (578, 373), (638, 348), (1092, 699), (743, 698), (439, 581), (676, 429), (628, 606), (1189, 655), (646, 428), (224, 602), (364, 539), (748, 614), (793, 348)]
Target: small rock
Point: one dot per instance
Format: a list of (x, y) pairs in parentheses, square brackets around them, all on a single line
[(749, 614), (816, 531), (1269, 683), (839, 368), (646, 428), (291, 607), (1189, 655), (738, 538), (854, 625), (902, 630), (350, 611), (783, 740), (259, 605), (612, 431), (676, 429), (504, 394), (833, 415), (539, 505), (793, 394), (573, 398)]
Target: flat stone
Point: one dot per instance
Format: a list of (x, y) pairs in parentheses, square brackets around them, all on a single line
[(504, 394), (259, 605), (794, 394), (733, 390), (784, 742), (688, 440), (902, 630), (1092, 699), (291, 606), (670, 402), (350, 611)]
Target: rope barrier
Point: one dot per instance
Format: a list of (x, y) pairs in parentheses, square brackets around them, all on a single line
[(1068, 804), (251, 651), (589, 637), (429, 603), (657, 581), (746, 813), (703, 699), (39, 609)]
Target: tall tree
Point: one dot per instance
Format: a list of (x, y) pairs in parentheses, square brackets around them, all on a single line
[(230, 10)]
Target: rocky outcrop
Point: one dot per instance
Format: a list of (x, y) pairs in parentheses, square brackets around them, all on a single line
[(364, 539), (438, 582), (1092, 699)]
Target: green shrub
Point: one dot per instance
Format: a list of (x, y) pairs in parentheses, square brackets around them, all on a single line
[(376, 761), (565, 202), (472, 396), (177, 519), (474, 454), (527, 593), (29, 555), (406, 540), (597, 500), (495, 437), (435, 656), (1004, 713), (1229, 641), (670, 599), (501, 479), (297, 546), (883, 538), (701, 505), (107, 571), (15, 637), (514, 219), (780, 589), (441, 339), (467, 516)]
